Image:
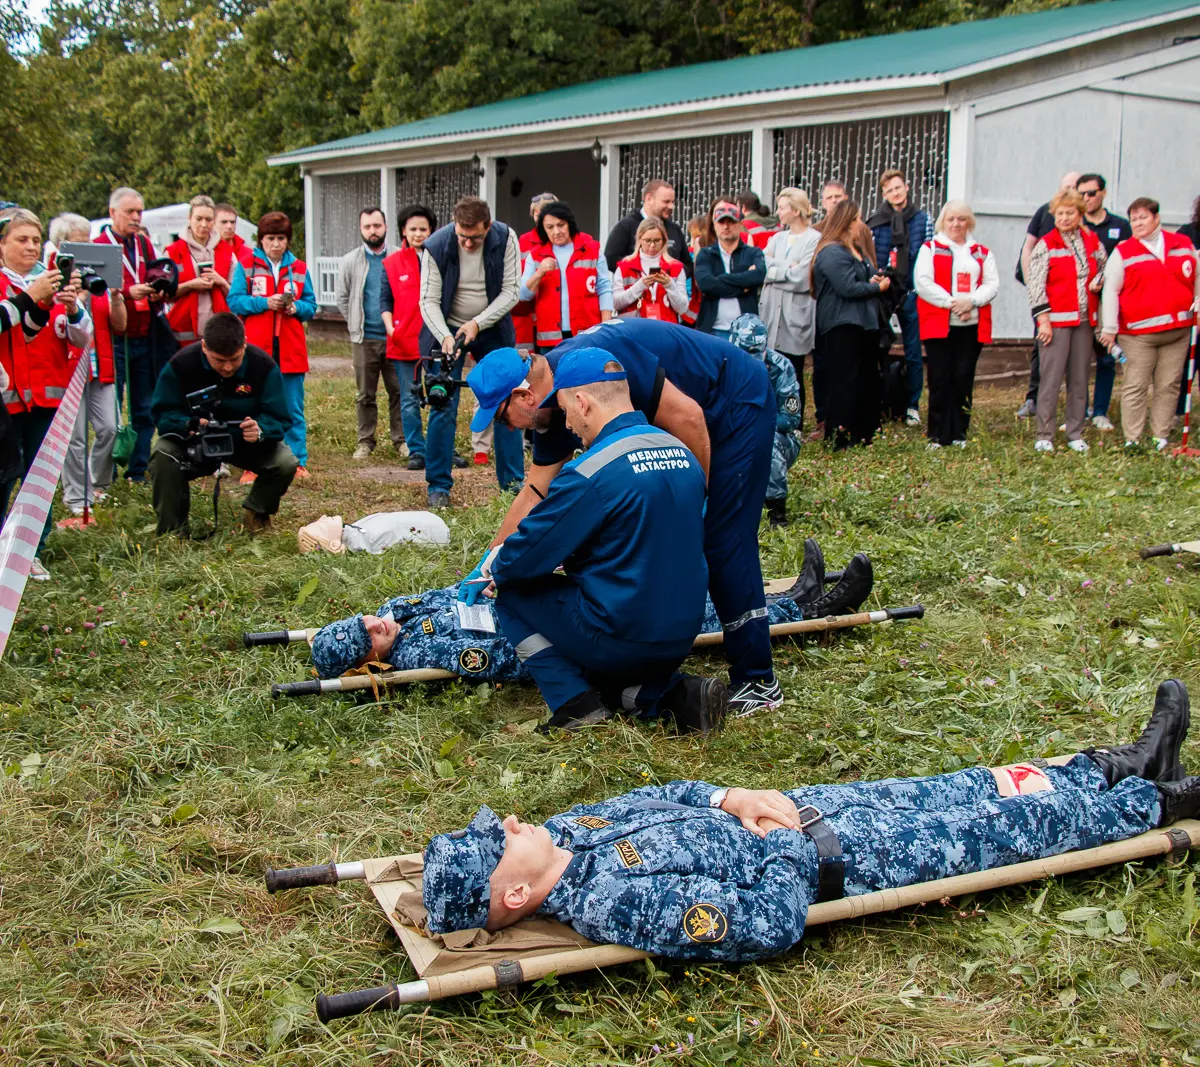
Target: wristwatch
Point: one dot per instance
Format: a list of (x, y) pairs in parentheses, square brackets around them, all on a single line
[(718, 797)]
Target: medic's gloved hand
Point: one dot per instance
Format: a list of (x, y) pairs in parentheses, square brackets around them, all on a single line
[(473, 586)]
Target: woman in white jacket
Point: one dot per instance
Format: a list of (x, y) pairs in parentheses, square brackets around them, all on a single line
[(787, 305), (956, 282)]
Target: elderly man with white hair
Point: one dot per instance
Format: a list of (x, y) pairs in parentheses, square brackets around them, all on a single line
[(83, 473)]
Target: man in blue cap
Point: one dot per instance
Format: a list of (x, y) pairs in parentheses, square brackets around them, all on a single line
[(625, 521), (690, 870), (717, 401)]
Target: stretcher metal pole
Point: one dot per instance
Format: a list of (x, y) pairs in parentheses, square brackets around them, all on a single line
[(391, 679), (287, 637), (505, 974)]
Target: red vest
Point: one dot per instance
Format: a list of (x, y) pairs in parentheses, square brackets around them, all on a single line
[(522, 314), (1061, 281), (581, 291), (137, 312), (403, 271), (14, 356), (40, 379), (935, 321), (225, 253), (756, 234), (102, 340), (183, 314), (1157, 296), (263, 327), (652, 304)]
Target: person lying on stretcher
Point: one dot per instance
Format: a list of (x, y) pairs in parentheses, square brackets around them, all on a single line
[(691, 870), (426, 630)]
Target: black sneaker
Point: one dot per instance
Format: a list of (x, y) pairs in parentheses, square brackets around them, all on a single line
[(438, 499), (777, 512), (1155, 754), (587, 709), (460, 462), (416, 463), (698, 705), (857, 581), (1180, 800), (755, 696)]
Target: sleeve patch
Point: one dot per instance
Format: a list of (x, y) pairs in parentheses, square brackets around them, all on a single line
[(627, 853), (791, 405), (591, 822), (705, 923)]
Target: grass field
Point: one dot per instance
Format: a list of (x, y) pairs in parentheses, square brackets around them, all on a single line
[(149, 779)]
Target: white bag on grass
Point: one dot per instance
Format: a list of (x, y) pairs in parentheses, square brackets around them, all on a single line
[(377, 533)]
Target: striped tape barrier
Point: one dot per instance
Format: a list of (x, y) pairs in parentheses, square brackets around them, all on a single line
[(27, 517)]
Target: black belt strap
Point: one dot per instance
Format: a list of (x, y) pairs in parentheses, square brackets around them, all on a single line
[(831, 873)]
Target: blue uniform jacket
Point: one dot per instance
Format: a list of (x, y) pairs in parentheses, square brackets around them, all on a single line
[(625, 519), (717, 375), (633, 879)]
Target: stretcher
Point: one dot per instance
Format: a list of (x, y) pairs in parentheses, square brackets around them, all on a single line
[(471, 961), (1151, 551)]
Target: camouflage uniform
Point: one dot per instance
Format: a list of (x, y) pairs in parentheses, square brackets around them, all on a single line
[(658, 869)]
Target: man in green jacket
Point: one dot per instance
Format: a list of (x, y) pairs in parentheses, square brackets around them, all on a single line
[(229, 382)]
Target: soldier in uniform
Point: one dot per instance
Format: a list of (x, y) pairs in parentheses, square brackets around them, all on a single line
[(749, 333), (695, 871)]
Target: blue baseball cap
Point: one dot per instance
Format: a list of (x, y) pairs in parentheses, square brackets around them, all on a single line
[(583, 366), (341, 646), (455, 886), (493, 380)]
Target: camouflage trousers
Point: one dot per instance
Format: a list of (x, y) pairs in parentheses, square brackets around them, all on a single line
[(784, 452), (901, 831)]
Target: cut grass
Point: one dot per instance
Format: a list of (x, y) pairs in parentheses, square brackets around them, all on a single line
[(134, 927)]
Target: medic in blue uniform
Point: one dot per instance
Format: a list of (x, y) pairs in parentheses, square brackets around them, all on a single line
[(717, 401)]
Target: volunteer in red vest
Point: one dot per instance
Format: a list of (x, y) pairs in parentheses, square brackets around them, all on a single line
[(275, 296), (956, 280), (650, 284), (565, 277), (700, 234), (523, 322), (1151, 297), (82, 473), (400, 308), (133, 347), (202, 288), (758, 224), (38, 370), (230, 245), (1066, 269)]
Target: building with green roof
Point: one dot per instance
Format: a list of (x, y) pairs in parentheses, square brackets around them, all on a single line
[(992, 111)]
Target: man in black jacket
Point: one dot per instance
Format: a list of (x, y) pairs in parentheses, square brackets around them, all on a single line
[(658, 200), (729, 274), (249, 390)]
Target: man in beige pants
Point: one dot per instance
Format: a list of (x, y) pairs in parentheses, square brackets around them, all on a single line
[(1151, 295)]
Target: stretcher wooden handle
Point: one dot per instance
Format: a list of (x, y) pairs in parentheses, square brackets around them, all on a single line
[(1158, 550)]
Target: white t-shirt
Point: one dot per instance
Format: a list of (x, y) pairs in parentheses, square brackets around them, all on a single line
[(728, 307)]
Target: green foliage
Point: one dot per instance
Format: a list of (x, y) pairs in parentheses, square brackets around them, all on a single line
[(177, 97)]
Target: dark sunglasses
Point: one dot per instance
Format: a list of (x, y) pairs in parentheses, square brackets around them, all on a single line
[(1090, 192), (501, 415)]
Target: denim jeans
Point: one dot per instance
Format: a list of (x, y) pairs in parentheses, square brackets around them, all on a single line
[(1106, 374), (410, 406), (910, 332), (296, 435), (140, 390)]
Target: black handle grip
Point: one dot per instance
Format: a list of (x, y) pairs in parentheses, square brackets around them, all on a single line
[(1157, 550), (833, 576), (269, 637), (911, 611), (338, 1006), (299, 877), (296, 689)]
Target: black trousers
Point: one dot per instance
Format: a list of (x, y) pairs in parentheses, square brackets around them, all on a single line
[(853, 385), (950, 367), (272, 461)]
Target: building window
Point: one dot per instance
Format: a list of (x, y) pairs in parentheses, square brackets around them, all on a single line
[(438, 187), (342, 197), (700, 168), (856, 153)]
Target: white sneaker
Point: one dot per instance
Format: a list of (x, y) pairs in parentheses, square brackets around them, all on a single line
[(933, 446), (362, 452), (912, 417), (1077, 446), (37, 571), (1131, 444), (960, 441), (1043, 446), (1160, 443), (1102, 423), (1062, 428), (402, 450), (76, 510), (223, 471), (99, 496)]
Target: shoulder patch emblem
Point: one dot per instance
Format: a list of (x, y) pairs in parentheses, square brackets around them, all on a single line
[(473, 660), (791, 405), (427, 626), (627, 853), (705, 923), (591, 822)]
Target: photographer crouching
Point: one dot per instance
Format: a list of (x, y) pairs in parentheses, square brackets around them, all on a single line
[(220, 400)]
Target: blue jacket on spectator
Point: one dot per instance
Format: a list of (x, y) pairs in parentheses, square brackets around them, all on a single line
[(920, 230), (741, 282), (242, 303)]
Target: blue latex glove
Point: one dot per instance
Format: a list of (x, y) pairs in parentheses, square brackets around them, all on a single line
[(472, 587)]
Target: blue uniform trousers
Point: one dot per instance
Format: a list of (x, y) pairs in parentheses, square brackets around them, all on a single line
[(439, 443), (739, 470), (296, 435), (566, 656)]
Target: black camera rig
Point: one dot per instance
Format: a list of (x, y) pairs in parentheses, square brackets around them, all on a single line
[(435, 386), (208, 445)]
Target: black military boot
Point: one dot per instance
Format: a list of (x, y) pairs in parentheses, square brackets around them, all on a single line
[(858, 579), (697, 705), (1155, 755), (1180, 800), (586, 709), (811, 583), (777, 511)]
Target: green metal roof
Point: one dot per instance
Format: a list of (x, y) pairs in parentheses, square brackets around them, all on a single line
[(917, 53)]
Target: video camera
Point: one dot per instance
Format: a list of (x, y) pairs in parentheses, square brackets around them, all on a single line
[(438, 382), (209, 445), (92, 281)]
